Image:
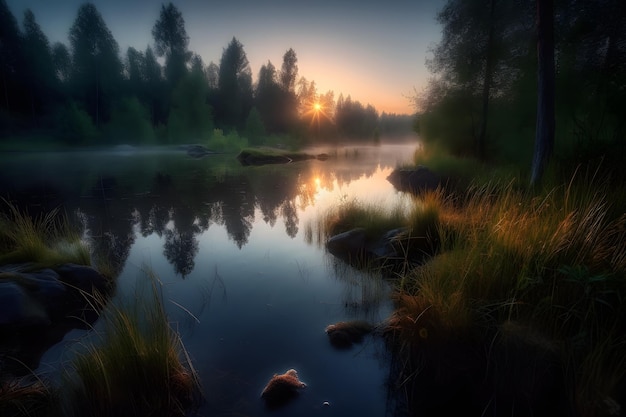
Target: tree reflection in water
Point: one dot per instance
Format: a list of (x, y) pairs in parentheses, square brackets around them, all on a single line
[(171, 196)]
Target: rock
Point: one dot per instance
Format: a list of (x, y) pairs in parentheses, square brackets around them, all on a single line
[(282, 388), (198, 151), (390, 244), (348, 245), (18, 306), (414, 180), (344, 334), (37, 297), (392, 248), (38, 307), (83, 278)]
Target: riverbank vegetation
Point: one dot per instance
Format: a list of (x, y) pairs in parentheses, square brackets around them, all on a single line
[(519, 309), (544, 269), (45, 240), (74, 97), (131, 361), (138, 365)]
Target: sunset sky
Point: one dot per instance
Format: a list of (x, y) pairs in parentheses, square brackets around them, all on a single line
[(372, 50)]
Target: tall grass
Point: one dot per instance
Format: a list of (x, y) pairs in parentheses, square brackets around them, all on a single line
[(44, 240), (553, 261), (27, 397), (138, 367)]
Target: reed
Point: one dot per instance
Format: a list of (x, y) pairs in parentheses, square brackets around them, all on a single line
[(138, 366)]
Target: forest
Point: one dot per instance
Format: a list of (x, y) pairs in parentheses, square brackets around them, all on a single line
[(485, 79), (90, 93)]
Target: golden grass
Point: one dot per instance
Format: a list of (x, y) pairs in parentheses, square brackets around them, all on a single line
[(554, 261), (25, 397)]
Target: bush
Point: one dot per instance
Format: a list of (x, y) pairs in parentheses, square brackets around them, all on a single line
[(75, 126), (130, 123)]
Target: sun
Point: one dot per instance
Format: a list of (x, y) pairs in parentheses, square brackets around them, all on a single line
[(317, 107)]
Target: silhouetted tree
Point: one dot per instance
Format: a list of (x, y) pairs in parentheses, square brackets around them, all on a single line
[(190, 115), (255, 129), (289, 71), (355, 121), (171, 41), (213, 75), (62, 61), (234, 87), (156, 99), (544, 139), (10, 59), (267, 98), (288, 101), (134, 64), (39, 72), (96, 66)]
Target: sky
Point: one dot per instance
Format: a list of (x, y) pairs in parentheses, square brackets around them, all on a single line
[(372, 50)]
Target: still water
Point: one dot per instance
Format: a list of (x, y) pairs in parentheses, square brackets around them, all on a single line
[(245, 282)]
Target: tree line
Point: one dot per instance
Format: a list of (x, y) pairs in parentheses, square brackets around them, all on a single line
[(87, 92), (507, 69)]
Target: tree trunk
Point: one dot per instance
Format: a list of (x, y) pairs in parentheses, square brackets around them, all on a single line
[(482, 137), (544, 135)]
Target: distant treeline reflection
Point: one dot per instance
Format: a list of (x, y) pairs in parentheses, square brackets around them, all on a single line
[(177, 201)]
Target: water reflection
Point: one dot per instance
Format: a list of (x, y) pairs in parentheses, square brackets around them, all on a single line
[(256, 294), (172, 196)]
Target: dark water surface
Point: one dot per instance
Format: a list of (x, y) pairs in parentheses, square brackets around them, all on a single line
[(245, 283)]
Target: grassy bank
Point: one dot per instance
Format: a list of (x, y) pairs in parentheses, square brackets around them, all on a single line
[(133, 362), (542, 270)]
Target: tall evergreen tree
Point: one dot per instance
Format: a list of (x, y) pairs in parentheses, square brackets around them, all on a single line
[(289, 71), (234, 87), (171, 41), (62, 61), (267, 96), (96, 65), (39, 71), (11, 63), (155, 98)]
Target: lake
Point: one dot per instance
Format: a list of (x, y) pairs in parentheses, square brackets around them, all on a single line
[(245, 281)]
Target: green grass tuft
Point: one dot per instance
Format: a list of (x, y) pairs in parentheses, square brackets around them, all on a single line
[(46, 240), (139, 367)]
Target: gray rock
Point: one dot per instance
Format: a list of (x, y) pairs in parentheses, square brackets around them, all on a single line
[(390, 244), (17, 306), (414, 180), (83, 278), (350, 244)]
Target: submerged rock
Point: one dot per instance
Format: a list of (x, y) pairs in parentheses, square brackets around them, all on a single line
[(344, 334), (282, 388), (198, 151)]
